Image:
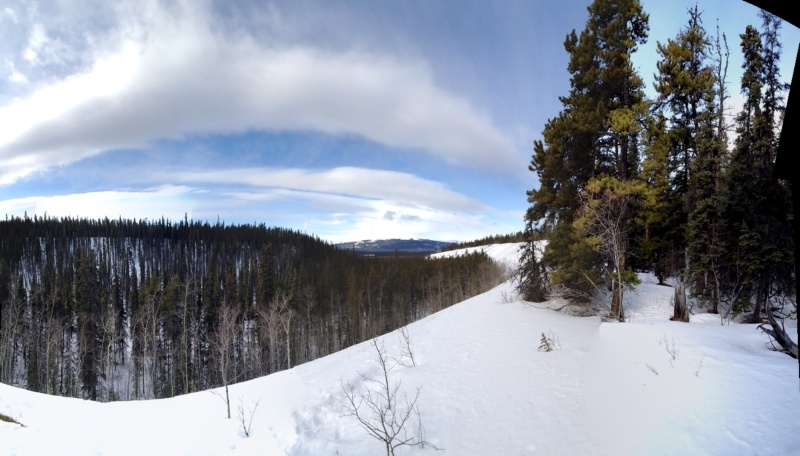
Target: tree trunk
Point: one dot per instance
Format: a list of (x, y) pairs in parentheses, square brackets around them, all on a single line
[(717, 295), (616, 302), (616, 299), (699, 284), (761, 297), (228, 400), (681, 310)]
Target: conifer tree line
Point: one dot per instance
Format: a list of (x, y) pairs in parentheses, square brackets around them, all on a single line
[(124, 309), (676, 185), (487, 240)]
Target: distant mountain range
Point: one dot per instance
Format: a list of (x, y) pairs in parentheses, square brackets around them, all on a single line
[(383, 247)]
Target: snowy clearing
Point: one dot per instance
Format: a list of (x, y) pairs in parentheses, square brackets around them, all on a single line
[(648, 386)]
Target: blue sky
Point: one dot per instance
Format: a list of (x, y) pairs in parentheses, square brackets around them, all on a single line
[(348, 120)]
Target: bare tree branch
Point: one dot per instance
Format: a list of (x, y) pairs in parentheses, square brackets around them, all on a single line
[(405, 345), (380, 412), (246, 417)]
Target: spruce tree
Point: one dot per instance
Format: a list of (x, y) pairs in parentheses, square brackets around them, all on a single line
[(598, 133), (707, 230), (532, 278), (759, 206), (685, 84), (87, 309), (655, 244)]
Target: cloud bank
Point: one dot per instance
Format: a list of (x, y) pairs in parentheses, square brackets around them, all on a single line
[(396, 187), (340, 204), (174, 71)]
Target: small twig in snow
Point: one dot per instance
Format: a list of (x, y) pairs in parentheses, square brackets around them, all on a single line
[(697, 373), (246, 417)]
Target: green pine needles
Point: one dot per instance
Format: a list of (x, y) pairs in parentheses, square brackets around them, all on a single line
[(626, 183)]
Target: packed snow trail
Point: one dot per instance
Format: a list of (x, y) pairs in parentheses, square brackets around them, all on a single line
[(647, 386)]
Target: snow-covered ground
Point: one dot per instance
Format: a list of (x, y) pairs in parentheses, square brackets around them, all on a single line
[(648, 386), (505, 254)]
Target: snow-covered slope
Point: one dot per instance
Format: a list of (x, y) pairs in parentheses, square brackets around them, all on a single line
[(486, 389), (505, 254)]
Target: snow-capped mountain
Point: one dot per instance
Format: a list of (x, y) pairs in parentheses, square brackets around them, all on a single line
[(389, 246)]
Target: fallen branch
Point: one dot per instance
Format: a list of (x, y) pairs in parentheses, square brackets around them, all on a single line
[(778, 332), (8, 419)]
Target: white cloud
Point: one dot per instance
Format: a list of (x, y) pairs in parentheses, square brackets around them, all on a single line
[(9, 13), (14, 75), (346, 203), (17, 77), (37, 41), (345, 218), (44, 50), (175, 73), (338, 210), (171, 202), (401, 189), (334, 209), (371, 223)]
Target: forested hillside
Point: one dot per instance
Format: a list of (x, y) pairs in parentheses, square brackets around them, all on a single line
[(125, 309), (488, 240)]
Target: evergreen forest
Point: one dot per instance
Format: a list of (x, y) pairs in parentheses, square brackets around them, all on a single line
[(681, 185), (124, 309)]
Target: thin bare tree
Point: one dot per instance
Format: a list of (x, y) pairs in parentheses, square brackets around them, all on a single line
[(381, 411), (283, 314), (226, 334), (245, 416)]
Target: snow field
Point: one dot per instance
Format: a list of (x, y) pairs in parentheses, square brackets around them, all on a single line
[(606, 388)]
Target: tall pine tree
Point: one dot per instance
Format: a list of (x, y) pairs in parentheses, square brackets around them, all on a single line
[(598, 133), (761, 264), (685, 83)]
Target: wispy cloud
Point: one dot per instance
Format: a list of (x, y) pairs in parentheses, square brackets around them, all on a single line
[(339, 217), (340, 204), (173, 73), (399, 188)]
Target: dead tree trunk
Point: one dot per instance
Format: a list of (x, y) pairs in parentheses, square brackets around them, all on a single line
[(681, 310)]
